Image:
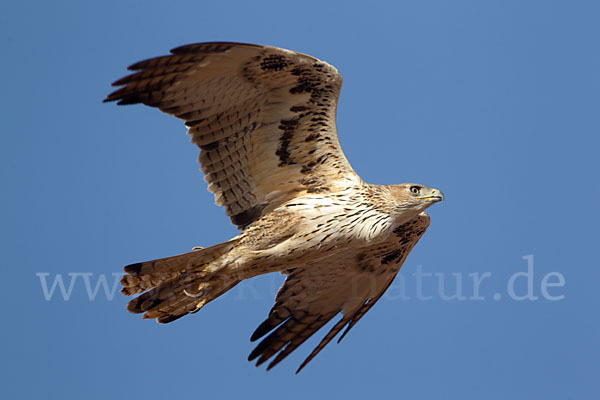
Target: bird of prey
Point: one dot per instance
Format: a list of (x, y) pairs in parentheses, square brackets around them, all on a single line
[(264, 120)]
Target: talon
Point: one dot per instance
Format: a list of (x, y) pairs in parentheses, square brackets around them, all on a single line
[(196, 248), (195, 296)]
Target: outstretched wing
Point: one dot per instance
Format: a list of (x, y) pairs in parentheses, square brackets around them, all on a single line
[(263, 117), (350, 283)]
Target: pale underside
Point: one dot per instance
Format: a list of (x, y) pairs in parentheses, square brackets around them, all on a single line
[(264, 119)]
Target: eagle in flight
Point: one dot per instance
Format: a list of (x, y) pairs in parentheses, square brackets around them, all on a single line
[(264, 120)]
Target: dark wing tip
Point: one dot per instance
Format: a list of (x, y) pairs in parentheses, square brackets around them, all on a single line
[(301, 367), (265, 327), (262, 349), (256, 352), (110, 98), (123, 99)]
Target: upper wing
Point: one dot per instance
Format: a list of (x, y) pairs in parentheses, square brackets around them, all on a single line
[(350, 283), (263, 117)]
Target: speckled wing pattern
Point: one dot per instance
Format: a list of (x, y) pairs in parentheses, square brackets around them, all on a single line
[(350, 283), (263, 117)]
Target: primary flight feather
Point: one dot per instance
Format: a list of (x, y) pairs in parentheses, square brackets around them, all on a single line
[(264, 120)]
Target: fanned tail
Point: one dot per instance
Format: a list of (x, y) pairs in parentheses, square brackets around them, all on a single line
[(178, 285), (140, 277), (178, 297)]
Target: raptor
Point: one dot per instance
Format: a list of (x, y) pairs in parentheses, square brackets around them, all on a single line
[(264, 120)]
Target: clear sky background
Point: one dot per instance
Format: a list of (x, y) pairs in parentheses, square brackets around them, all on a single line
[(494, 102)]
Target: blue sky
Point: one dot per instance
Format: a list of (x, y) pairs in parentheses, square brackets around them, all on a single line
[(495, 103)]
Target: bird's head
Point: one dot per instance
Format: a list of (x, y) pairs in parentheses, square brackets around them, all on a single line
[(415, 197)]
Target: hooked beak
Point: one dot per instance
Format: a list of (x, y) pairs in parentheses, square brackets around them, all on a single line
[(434, 196)]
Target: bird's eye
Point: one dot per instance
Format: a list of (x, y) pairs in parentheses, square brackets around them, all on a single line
[(415, 189)]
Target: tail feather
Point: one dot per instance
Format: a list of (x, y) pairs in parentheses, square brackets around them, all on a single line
[(140, 277), (174, 299), (176, 286)]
